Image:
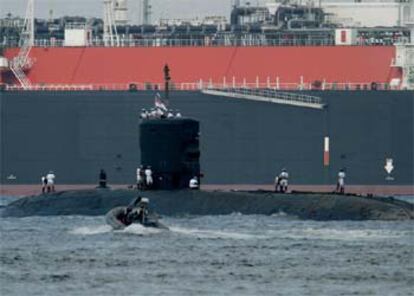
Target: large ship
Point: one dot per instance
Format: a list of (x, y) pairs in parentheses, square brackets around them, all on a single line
[(312, 88)]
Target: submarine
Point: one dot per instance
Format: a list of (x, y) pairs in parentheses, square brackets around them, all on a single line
[(170, 146)]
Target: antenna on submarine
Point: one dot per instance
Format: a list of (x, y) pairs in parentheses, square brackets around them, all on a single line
[(167, 79)]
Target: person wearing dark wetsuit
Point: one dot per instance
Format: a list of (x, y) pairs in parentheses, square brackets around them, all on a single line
[(136, 211), (102, 179)]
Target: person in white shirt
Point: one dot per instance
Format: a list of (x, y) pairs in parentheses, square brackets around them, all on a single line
[(283, 181), (153, 114), (159, 113), (144, 114), (340, 185), (193, 184), (50, 181), (148, 177)]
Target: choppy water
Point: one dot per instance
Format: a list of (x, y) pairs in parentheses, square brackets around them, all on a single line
[(210, 255)]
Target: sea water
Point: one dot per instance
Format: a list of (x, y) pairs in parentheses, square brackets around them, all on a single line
[(206, 255)]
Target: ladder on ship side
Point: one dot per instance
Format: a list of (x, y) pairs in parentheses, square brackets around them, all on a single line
[(270, 96), (20, 75)]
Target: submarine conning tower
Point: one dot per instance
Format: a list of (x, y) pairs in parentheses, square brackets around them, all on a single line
[(170, 146)]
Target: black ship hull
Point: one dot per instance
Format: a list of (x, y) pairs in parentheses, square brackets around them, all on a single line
[(242, 142)]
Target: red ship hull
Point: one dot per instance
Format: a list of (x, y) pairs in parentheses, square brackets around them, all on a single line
[(95, 65)]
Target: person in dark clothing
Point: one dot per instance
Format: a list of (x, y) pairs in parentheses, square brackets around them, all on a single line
[(137, 210), (125, 217), (102, 179), (44, 184), (142, 176), (134, 203), (142, 211)]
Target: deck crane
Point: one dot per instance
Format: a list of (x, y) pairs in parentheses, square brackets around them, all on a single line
[(22, 61)]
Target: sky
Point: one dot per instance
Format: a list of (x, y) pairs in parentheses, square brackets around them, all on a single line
[(94, 8)]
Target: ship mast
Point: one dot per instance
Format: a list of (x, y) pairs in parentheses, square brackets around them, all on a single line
[(110, 35), (146, 12)]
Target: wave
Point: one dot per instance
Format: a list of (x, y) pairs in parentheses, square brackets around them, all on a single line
[(199, 233), (91, 230), (100, 229), (5, 200), (139, 229), (338, 234)]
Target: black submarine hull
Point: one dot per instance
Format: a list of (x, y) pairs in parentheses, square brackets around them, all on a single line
[(314, 206)]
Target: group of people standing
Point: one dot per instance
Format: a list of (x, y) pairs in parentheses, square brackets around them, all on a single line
[(48, 182), (144, 177), (157, 113), (281, 182)]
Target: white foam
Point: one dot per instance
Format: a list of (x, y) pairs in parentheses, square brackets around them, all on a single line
[(139, 229), (339, 234), (92, 230), (282, 214), (215, 234), (133, 229)]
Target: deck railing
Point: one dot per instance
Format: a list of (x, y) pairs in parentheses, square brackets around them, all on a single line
[(202, 85), (209, 42), (298, 99)]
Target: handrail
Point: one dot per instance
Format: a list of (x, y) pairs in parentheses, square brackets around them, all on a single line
[(202, 85), (207, 42), (272, 96)]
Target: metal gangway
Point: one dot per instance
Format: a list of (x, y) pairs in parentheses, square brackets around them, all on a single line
[(269, 95)]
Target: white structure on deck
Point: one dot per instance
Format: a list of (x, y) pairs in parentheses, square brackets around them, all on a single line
[(404, 59), (146, 11), (346, 36), (110, 35), (77, 35), (120, 12), (4, 64), (369, 13)]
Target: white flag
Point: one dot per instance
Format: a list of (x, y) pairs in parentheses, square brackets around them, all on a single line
[(159, 103)]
